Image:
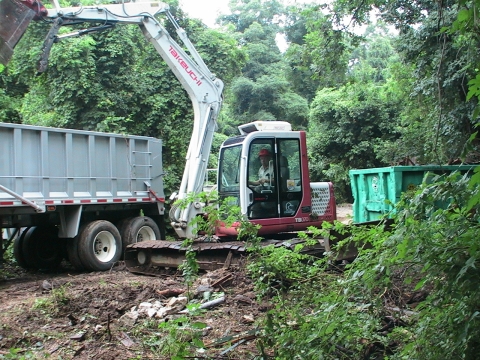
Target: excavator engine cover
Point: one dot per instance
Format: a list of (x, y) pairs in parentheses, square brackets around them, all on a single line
[(15, 15)]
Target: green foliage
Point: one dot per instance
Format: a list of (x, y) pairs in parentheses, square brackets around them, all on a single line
[(276, 268), (434, 42), (327, 49), (189, 267), (18, 354), (262, 91), (365, 309), (178, 338), (440, 234), (216, 211), (52, 303), (344, 126)]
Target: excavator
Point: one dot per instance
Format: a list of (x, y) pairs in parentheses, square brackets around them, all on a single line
[(283, 202)]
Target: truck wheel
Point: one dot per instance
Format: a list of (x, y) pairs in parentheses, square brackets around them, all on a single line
[(18, 250), (99, 245), (138, 229), (72, 253), (42, 248)]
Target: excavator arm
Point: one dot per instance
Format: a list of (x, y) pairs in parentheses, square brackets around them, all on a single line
[(203, 88)]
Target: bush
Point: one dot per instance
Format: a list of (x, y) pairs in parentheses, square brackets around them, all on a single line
[(411, 293)]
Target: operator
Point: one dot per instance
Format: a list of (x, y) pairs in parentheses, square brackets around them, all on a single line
[(265, 173)]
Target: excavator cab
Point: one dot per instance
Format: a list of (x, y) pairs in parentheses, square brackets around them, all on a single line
[(266, 170), (15, 16)]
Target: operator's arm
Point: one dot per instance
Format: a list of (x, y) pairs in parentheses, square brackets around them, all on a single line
[(263, 178)]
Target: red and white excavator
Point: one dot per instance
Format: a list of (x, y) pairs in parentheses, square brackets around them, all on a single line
[(283, 202)]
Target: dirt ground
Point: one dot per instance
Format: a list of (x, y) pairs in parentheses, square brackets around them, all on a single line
[(344, 213), (72, 315)]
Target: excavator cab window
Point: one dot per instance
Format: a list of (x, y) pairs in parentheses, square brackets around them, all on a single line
[(229, 172)]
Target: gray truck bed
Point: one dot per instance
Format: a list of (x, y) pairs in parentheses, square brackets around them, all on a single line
[(53, 166)]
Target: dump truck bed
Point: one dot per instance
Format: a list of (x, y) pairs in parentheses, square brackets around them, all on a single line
[(51, 166)]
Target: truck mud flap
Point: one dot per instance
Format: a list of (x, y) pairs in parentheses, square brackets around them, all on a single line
[(14, 20)]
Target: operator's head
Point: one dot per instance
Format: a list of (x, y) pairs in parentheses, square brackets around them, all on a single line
[(264, 156), (264, 153)]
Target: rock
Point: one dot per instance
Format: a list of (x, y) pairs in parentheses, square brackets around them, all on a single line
[(174, 305), (243, 299), (161, 313), (248, 319), (201, 289), (151, 312), (129, 318), (46, 285), (78, 337), (177, 302), (205, 281), (125, 339), (144, 305)]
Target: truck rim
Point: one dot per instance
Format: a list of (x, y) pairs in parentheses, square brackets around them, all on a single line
[(145, 233), (104, 246)]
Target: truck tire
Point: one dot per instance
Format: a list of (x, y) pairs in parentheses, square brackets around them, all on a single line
[(42, 248), (18, 250), (99, 245), (72, 253), (138, 229)]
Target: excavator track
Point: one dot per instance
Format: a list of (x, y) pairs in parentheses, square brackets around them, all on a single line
[(152, 257)]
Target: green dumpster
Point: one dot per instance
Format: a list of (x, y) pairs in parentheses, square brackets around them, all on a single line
[(372, 187)]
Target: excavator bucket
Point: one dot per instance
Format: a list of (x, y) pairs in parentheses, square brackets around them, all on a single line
[(15, 15)]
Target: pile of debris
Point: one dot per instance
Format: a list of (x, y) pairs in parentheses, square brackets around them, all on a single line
[(171, 302)]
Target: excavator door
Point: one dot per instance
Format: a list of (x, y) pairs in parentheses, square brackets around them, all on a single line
[(15, 16)]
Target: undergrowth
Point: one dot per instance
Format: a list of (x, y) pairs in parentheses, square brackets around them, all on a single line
[(179, 338), (411, 293)]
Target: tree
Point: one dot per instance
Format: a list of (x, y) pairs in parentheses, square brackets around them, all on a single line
[(439, 55), (348, 124), (263, 92)]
